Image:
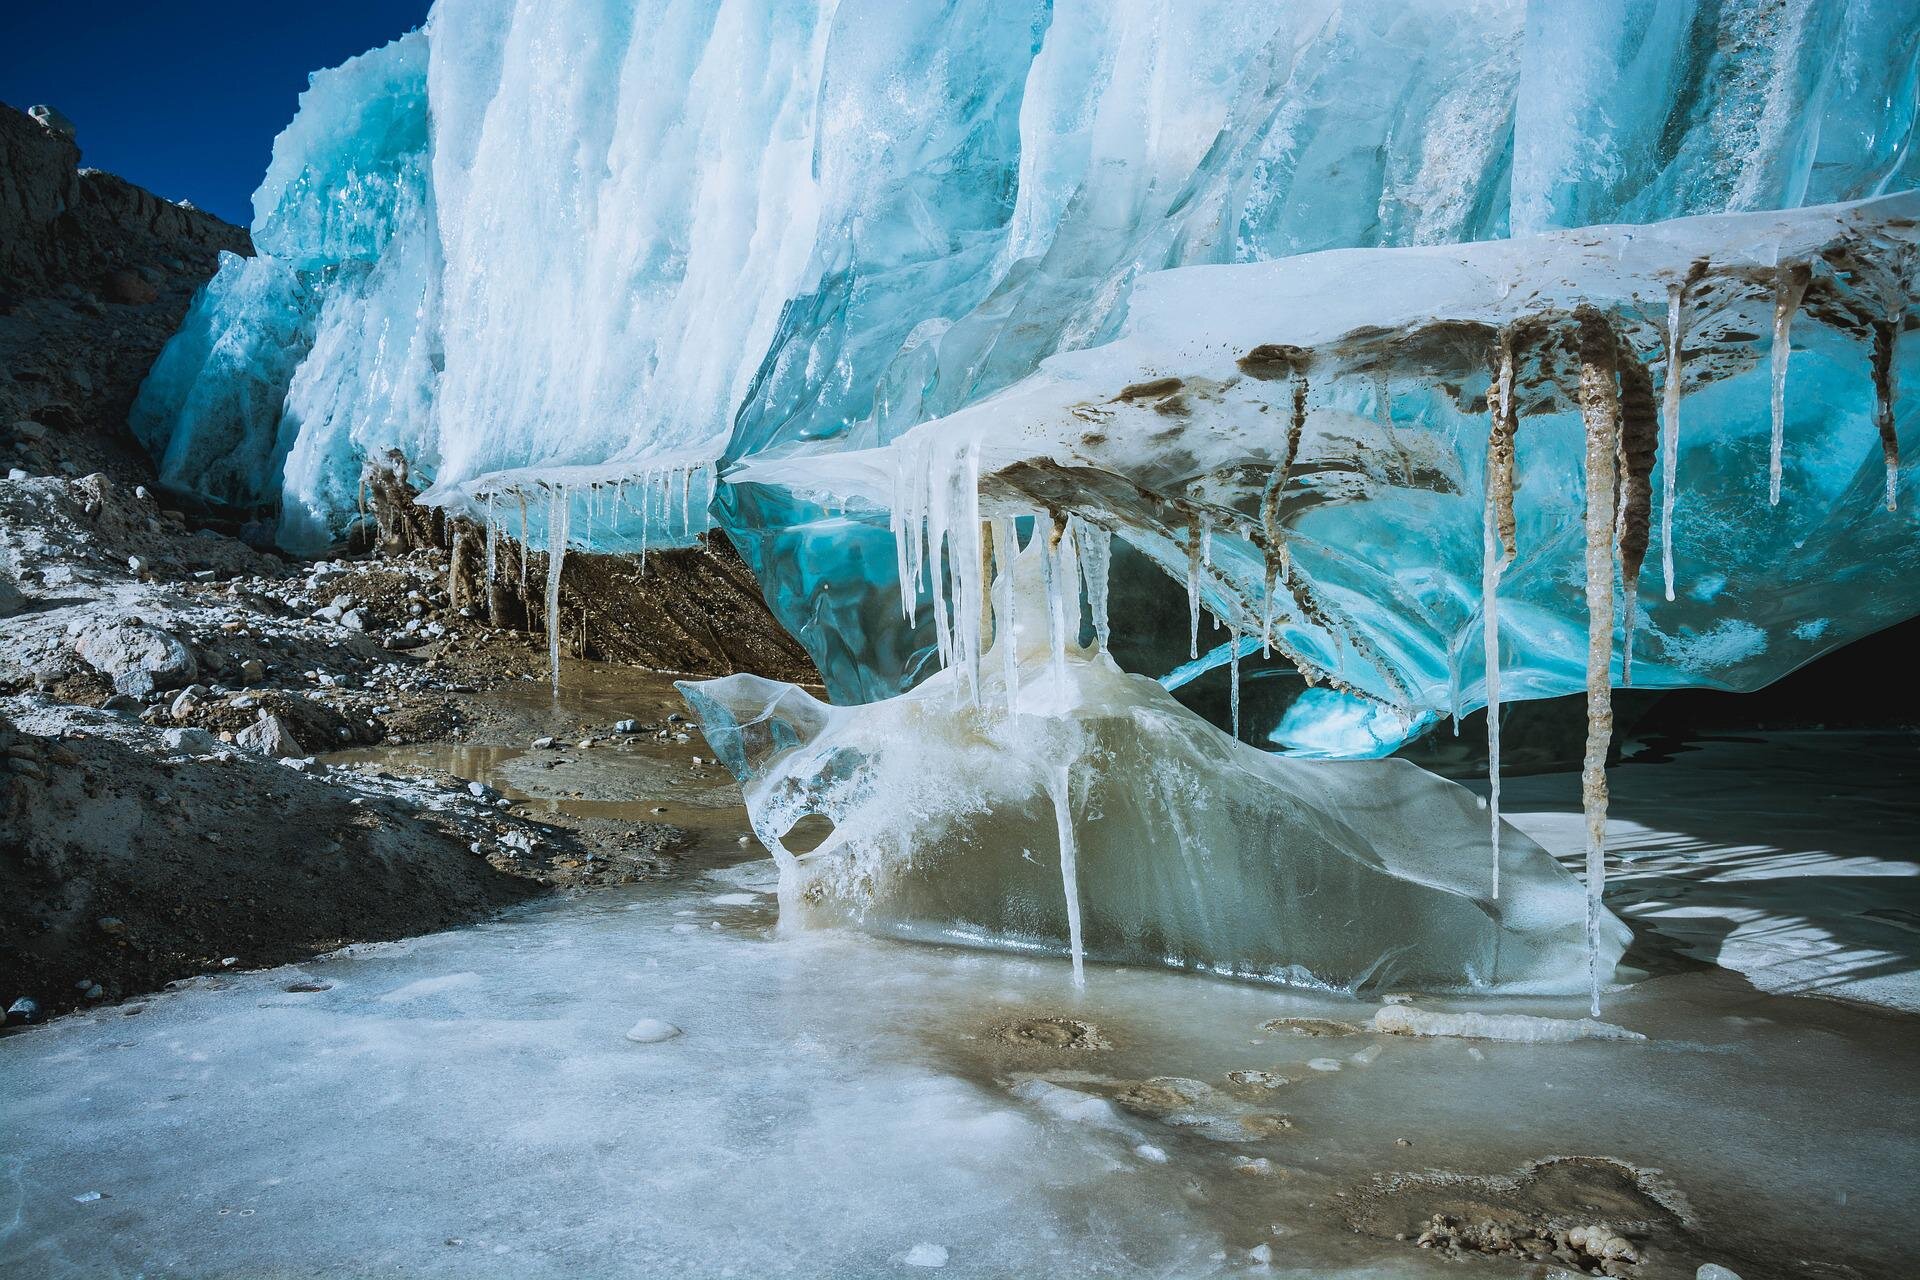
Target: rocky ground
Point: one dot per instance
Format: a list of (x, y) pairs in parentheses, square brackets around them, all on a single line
[(168, 680)]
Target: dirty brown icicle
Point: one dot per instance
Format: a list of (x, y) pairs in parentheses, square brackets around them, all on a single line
[(1277, 564), (1499, 545), (1639, 444), (1884, 333), (1600, 414)]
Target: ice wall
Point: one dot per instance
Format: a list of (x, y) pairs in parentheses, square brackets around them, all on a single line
[(572, 243)]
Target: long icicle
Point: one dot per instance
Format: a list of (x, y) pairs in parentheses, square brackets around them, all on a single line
[(1670, 424), (1498, 532), (559, 507), (1095, 544), (1639, 441), (1884, 334), (1006, 545), (1193, 585), (1788, 289), (521, 494), (1600, 412), (1233, 667), (1060, 788), (493, 542)]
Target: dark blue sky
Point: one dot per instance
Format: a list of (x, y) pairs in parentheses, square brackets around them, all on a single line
[(184, 98)]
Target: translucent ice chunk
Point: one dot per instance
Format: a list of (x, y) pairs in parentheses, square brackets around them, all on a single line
[(1191, 850)]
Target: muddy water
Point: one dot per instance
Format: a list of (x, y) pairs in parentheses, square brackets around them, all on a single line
[(664, 774)]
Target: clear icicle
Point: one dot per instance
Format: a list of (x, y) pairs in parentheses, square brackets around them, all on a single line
[(1206, 541), (1885, 334), (559, 507), (493, 542), (1006, 545), (1095, 545), (1043, 537), (1492, 564), (646, 488), (1193, 587), (1060, 788), (1670, 425), (939, 491), (1600, 410), (1787, 292), (521, 494), (1063, 597), (1233, 677)]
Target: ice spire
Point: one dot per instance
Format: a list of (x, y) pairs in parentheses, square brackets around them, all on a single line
[(1600, 412), (1788, 288), (1885, 332), (559, 506)]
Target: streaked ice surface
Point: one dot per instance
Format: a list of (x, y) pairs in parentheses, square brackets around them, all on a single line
[(468, 1104)]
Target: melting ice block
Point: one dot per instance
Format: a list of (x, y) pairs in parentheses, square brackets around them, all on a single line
[(1090, 813)]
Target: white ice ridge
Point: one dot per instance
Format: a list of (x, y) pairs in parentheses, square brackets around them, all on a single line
[(1080, 811), (1233, 401)]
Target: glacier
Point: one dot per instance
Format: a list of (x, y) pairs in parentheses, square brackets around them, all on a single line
[(1396, 342)]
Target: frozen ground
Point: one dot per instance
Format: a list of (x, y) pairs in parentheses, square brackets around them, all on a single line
[(469, 1103)]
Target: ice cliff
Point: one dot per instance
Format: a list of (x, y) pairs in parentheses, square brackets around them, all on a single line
[(1397, 333)]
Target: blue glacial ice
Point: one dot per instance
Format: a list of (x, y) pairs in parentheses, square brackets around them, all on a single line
[(606, 274)]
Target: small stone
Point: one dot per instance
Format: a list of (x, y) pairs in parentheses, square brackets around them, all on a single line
[(253, 671), (136, 566), (355, 620), (270, 736), (28, 429), (1714, 1271), (926, 1255), (652, 1031), (88, 1197), (542, 744), (19, 473), (24, 1009), (627, 726)]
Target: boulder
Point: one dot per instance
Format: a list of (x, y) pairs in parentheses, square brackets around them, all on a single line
[(148, 657), (270, 736)]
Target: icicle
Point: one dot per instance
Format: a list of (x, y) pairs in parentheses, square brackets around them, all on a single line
[(1885, 332), (1006, 545), (939, 491), (1060, 788), (1493, 562), (1233, 665), (1206, 540), (1788, 289), (1600, 410), (559, 507), (646, 488), (1193, 586), (1633, 518), (1670, 425), (686, 487), (521, 494), (493, 542), (1043, 541), (968, 568), (1063, 583), (1096, 561), (587, 539)]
